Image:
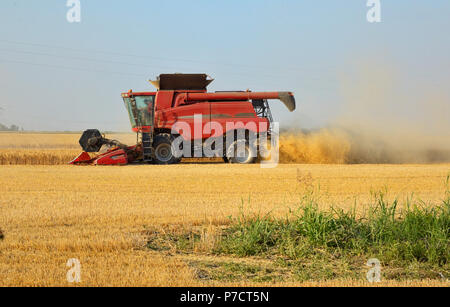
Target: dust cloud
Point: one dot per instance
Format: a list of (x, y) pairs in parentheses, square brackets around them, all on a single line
[(384, 118)]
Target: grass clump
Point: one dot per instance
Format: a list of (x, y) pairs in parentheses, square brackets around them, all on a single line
[(309, 244), (415, 233)]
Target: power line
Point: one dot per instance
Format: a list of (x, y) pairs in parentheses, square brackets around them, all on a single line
[(153, 67), (96, 71), (90, 70), (146, 56), (126, 54), (82, 58), (95, 51), (248, 76), (72, 68)]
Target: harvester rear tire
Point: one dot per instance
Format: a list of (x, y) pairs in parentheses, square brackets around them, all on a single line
[(233, 157), (164, 152)]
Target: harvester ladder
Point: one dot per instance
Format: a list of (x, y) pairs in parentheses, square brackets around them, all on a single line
[(262, 110), (268, 113), (147, 148)]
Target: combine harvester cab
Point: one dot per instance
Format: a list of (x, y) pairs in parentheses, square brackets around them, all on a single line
[(181, 98)]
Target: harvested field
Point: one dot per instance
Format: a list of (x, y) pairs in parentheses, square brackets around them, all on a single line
[(118, 221), (100, 215)]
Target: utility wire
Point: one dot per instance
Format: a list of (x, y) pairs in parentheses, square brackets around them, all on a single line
[(153, 67), (83, 59), (100, 71), (148, 56), (72, 68)]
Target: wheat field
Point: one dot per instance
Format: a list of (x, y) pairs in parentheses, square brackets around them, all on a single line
[(100, 215)]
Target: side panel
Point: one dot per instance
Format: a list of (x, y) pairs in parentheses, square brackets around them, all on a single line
[(228, 115), (184, 116), (237, 115), (163, 100)]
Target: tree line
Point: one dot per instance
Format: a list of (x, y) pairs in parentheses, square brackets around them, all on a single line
[(10, 128)]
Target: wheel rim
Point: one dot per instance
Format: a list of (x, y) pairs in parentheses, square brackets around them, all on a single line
[(163, 153), (239, 155), (242, 156)]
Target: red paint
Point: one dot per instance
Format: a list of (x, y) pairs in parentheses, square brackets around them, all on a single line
[(222, 108), (113, 157), (82, 158)]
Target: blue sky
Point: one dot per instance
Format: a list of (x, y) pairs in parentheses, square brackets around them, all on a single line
[(55, 75)]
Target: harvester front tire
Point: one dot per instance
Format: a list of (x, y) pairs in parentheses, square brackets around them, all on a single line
[(164, 152)]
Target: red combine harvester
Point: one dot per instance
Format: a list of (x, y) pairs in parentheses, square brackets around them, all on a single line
[(182, 104)]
